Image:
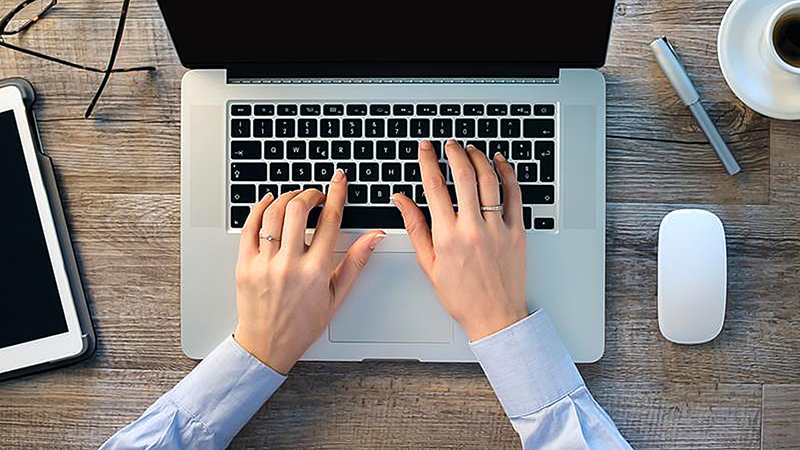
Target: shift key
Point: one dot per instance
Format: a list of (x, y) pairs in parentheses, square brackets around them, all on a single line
[(538, 194)]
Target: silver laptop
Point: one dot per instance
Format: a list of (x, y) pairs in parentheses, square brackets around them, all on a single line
[(279, 95)]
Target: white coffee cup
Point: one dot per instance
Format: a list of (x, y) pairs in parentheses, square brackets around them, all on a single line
[(784, 17)]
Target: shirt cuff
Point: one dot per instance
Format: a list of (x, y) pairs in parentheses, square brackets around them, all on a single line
[(527, 365), (225, 390)]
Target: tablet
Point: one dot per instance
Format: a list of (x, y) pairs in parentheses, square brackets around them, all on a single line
[(39, 320)]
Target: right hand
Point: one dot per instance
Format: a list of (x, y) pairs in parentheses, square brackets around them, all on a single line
[(475, 260)]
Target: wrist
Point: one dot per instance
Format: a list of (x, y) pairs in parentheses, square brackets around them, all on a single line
[(262, 348), (489, 325)]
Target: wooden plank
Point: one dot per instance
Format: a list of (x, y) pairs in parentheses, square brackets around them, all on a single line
[(784, 160), (781, 417)]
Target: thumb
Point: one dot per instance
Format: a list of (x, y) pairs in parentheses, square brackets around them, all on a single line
[(353, 263)]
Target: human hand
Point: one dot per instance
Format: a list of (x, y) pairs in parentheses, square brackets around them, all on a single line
[(475, 260), (287, 292)]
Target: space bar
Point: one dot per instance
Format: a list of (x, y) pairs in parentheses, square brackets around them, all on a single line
[(383, 217)]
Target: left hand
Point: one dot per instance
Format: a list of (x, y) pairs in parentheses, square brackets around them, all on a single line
[(287, 292)]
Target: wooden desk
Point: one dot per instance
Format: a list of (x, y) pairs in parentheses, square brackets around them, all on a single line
[(119, 176)]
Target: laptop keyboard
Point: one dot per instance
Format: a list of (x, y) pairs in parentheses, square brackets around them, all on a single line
[(278, 147)]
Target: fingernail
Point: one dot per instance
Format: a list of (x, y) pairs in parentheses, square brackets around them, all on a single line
[(268, 197), (376, 240), (339, 175), (396, 203), (425, 143), (472, 147), (500, 157), (452, 141)]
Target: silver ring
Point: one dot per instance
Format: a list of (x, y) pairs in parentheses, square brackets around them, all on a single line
[(268, 237), (492, 208)]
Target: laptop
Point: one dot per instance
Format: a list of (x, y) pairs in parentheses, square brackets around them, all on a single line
[(279, 94)]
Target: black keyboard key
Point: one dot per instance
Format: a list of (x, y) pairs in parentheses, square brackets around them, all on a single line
[(262, 128), (498, 147), (357, 193), (539, 128), (450, 110), (443, 128), (497, 110), (487, 128), (289, 188), (264, 110), (323, 171), (279, 171), (398, 128), (409, 150), (264, 189), (318, 150), (310, 110), (363, 150), (533, 194), (526, 172), (379, 193), (544, 223), (473, 110), (403, 110), (390, 172), (248, 172), (273, 149), (239, 216), (385, 150), (521, 150), (420, 128), (287, 110), (352, 128), (243, 193), (349, 170), (245, 150), (527, 213), (340, 150), (329, 128), (520, 110), (368, 172), (545, 153), (333, 110), (301, 171), (385, 217), (419, 195), (240, 128), (307, 128), (411, 172), (544, 110), (296, 150), (374, 128), (465, 128), (480, 145), (379, 110), (437, 148), (426, 110), (284, 128), (509, 128), (405, 189), (240, 110), (356, 110)]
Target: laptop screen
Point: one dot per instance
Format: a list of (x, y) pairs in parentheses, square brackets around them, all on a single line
[(564, 33)]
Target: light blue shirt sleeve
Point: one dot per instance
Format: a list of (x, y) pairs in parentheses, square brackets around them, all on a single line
[(207, 408), (541, 390)]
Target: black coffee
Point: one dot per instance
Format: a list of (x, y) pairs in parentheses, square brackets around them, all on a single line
[(786, 38)]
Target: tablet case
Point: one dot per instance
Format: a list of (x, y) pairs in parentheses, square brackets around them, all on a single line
[(70, 262)]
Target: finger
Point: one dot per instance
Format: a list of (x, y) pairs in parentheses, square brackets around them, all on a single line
[(464, 178), (512, 203), (488, 187), (435, 188), (293, 240), (272, 222), (330, 219), (417, 229), (248, 241), (357, 257)]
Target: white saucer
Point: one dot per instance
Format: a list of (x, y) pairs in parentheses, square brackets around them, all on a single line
[(766, 89)]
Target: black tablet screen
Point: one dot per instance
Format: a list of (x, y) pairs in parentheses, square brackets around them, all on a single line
[(30, 307)]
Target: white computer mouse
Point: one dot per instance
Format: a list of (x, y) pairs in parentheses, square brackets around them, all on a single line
[(692, 276)]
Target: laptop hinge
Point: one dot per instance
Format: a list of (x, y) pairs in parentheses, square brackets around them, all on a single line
[(393, 73)]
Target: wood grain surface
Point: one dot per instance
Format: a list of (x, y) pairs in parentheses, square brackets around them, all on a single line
[(119, 177)]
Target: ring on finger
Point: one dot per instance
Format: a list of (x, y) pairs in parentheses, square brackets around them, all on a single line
[(492, 208), (269, 237)]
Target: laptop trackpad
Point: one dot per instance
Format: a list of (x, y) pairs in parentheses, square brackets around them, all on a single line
[(392, 301)]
